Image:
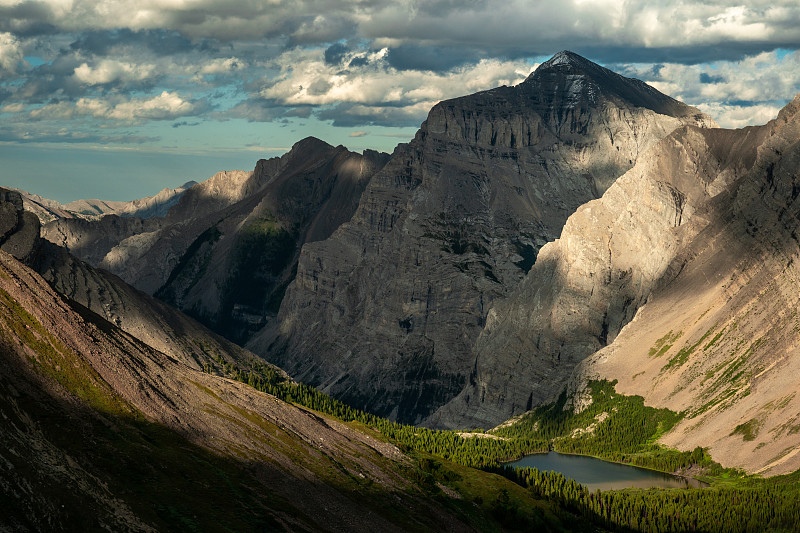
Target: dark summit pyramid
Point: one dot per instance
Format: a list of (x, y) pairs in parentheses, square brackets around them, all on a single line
[(567, 79), (566, 92)]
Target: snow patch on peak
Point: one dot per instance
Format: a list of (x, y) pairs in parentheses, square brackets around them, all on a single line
[(564, 57)]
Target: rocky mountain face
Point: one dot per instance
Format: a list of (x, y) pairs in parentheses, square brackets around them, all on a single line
[(228, 248), (680, 284), (385, 313), (233, 275), (591, 281), (100, 432)]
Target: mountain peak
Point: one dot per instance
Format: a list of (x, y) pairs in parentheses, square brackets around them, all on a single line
[(570, 80), (565, 57)]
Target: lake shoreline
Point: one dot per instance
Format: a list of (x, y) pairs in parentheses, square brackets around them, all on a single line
[(688, 481)]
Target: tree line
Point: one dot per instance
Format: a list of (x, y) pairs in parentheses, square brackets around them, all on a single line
[(621, 428)]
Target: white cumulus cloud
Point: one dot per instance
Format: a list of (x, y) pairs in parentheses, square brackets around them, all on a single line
[(10, 53), (166, 106), (109, 70), (306, 79), (739, 93)]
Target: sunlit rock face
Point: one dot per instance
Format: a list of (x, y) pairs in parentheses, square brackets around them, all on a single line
[(385, 314), (588, 284), (718, 337)]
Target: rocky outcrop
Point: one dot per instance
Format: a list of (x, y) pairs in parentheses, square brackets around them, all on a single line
[(386, 312), (19, 229)]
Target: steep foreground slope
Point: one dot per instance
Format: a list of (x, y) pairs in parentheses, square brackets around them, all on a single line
[(700, 239), (100, 432), (385, 313)]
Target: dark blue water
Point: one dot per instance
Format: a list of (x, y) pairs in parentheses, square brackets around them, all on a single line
[(603, 475)]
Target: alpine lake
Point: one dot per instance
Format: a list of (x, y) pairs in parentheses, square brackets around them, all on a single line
[(604, 475)]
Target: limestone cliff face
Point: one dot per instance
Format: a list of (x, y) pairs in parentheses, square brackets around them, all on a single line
[(591, 281), (718, 337), (385, 313)]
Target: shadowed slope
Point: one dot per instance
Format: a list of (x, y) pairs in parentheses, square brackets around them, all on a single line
[(101, 432)]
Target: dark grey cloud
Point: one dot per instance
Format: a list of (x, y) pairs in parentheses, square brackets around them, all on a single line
[(443, 8), (299, 112), (618, 55), (706, 78), (159, 41), (348, 115), (358, 61), (27, 19), (185, 123), (435, 58), (256, 110), (323, 27), (336, 53)]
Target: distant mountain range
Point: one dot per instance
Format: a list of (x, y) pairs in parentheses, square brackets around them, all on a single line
[(580, 225), (152, 206)]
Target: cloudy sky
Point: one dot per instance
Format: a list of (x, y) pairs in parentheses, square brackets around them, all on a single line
[(119, 98)]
